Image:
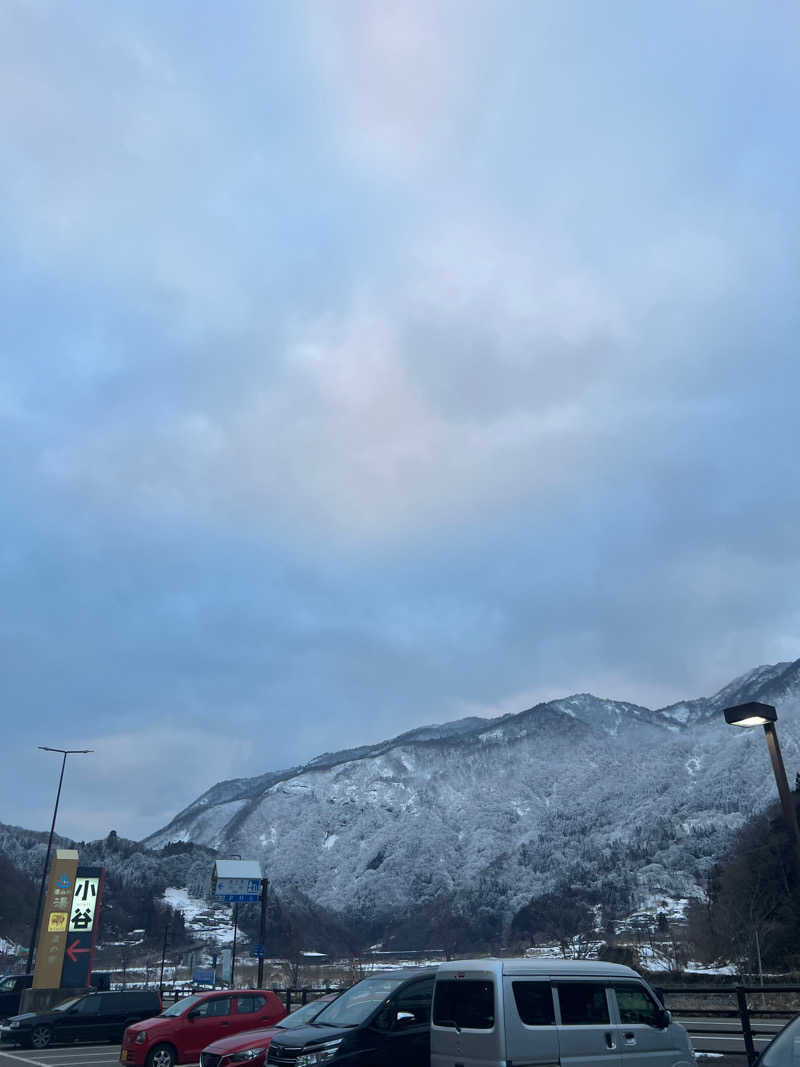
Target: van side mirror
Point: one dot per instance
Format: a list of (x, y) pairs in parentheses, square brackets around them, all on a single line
[(405, 1018), (666, 1019)]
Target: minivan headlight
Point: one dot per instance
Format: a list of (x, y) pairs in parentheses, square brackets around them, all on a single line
[(141, 1037), (321, 1054)]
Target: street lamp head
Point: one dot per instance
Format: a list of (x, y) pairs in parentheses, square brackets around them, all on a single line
[(752, 714), (66, 751)]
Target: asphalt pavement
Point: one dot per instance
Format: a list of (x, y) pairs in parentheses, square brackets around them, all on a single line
[(60, 1056), (720, 1049)]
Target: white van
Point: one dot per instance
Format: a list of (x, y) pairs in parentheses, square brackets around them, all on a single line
[(551, 1013)]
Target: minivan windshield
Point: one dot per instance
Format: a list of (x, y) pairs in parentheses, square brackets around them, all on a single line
[(180, 1006), (780, 1053), (357, 1004), (302, 1016)]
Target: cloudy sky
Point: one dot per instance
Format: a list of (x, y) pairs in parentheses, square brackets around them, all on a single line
[(366, 365)]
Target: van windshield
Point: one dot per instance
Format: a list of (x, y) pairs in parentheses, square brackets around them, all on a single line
[(302, 1016), (781, 1052), (357, 1004)]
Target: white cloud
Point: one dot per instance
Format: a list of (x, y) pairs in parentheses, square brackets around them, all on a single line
[(398, 78), (164, 766)]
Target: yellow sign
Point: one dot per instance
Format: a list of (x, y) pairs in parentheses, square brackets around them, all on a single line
[(53, 938)]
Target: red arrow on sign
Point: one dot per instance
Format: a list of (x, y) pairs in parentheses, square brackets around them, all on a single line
[(73, 950)]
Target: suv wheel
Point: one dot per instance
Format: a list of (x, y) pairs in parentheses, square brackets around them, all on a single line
[(41, 1036), (117, 1039), (161, 1056)]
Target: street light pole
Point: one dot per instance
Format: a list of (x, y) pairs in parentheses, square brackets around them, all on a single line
[(34, 933), (755, 714)]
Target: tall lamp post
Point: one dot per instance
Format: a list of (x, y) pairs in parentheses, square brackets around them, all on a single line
[(34, 933), (755, 714)]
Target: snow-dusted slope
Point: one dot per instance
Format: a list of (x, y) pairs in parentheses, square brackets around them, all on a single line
[(501, 809)]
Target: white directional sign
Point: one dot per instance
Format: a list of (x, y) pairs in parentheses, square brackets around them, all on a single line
[(237, 881), (84, 903)]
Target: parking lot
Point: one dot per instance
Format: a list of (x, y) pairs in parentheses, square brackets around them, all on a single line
[(63, 1056)]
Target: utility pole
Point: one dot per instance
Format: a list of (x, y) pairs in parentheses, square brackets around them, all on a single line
[(163, 956), (262, 930), (233, 953), (64, 752)]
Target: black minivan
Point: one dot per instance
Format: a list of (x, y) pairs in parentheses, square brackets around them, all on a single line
[(92, 1017), (11, 990), (383, 1020)]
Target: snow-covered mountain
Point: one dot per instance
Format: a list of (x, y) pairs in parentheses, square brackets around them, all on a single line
[(487, 813)]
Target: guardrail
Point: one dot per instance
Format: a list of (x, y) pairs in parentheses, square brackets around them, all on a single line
[(292, 996), (742, 1009)]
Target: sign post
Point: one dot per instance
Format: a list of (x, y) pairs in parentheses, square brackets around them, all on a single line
[(236, 882), (82, 930), (55, 920)]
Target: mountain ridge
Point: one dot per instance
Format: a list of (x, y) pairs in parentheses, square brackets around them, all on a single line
[(487, 812), (246, 788)]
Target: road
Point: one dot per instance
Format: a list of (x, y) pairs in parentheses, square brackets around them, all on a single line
[(725, 1035), (61, 1056), (725, 1041)]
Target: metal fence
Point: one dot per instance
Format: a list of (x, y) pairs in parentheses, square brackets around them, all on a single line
[(747, 1003), (292, 996)]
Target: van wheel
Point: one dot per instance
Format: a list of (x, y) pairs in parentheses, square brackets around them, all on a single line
[(161, 1056), (41, 1036)]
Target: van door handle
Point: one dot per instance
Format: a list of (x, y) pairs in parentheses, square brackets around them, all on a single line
[(610, 1040), (630, 1038)]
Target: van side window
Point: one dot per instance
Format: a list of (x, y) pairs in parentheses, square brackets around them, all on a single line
[(636, 1005), (534, 1002), (582, 1003), (464, 1003), (416, 1000)]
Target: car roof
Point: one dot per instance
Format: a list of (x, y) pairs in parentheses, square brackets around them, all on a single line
[(402, 973), (541, 965)]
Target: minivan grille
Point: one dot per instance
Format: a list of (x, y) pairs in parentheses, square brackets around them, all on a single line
[(208, 1059), (283, 1055)]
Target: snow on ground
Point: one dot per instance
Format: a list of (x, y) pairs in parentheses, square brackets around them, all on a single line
[(702, 968), (180, 900), (210, 922)]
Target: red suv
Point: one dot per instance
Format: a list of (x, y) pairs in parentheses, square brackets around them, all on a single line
[(178, 1034)]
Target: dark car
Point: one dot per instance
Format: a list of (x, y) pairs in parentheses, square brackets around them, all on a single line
[(92, 1017), (251, 1046), (780, 1052), (11, 990), (384, 1019)]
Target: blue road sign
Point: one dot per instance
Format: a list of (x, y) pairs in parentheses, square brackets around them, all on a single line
[(240, 898), (203, 976), (258, 952)]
